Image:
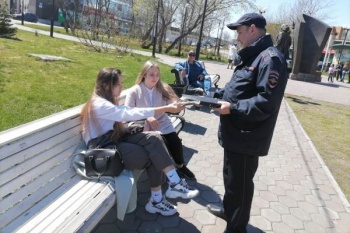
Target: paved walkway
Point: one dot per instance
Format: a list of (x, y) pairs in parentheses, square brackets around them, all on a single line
[(294, 190)]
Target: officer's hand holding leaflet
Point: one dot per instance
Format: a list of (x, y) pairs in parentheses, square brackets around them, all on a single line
[(201, 100), (224, 109)]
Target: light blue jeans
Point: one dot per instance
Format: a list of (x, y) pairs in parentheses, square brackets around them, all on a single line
[(205, 84), (343, 76)]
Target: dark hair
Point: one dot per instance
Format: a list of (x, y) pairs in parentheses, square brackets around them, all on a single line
[(106, 80)]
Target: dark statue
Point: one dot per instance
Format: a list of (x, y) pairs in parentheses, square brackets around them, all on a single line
[(310, 37)]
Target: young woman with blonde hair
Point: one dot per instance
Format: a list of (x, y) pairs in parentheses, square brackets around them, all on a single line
[(150, 91)]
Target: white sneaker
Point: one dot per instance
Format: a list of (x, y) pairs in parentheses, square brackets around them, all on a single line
[(163, 207), (182, 190)]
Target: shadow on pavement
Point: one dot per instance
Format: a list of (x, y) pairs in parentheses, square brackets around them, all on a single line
[(141, 221), (299, 101), (334, 85), (194, 129)]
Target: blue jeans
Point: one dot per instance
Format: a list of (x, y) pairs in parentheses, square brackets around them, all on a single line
[(343, 76), (205, 84)]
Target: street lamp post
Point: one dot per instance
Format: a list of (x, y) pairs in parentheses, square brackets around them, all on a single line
[(52, 17), (327, 54), (217, 39), (219, 43), (182, 30), (22, 12), (155, 32), (200, 32), (292, 55), (343, 44)]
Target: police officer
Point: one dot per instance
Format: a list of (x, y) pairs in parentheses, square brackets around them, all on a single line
[(248, 114)]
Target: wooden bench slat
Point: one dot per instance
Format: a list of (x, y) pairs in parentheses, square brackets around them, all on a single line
[(21, 206), (38, 159), (89, 204), (33, 170), (24, 197), (22, 131), (39, 147), (31, 220), (101, 203), (36, 137), (13, 217), (65, 207), (32, 217)]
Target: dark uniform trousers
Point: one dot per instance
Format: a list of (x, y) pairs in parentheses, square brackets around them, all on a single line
[(239, 171)]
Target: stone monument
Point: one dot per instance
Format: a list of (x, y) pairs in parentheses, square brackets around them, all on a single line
[(310, 37)]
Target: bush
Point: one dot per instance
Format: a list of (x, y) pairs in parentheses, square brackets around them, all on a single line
[(6, 29)]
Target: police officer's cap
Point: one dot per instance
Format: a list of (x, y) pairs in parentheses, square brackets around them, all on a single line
[(248, 19)]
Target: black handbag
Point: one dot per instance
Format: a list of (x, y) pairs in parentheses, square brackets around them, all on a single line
[(103, 162), (102, 157)]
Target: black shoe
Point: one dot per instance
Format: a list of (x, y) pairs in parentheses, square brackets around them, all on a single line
[(184, 172), (217, 211)]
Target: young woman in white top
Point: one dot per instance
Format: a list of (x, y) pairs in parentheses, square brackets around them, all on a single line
[(150, 91), (145, 150)]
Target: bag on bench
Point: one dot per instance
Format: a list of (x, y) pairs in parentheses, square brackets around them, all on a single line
[(103, 162), (102, 157)]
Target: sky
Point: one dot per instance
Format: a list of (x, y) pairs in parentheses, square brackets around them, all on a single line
[(340, 11)]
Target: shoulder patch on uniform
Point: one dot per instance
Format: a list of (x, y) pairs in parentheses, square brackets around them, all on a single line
[(273, 79)]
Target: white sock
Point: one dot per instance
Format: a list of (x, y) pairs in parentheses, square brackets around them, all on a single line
[(157, 195), (173, 176)]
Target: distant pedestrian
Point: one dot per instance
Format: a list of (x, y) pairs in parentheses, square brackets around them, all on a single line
[(345, 70), (331, 73), (339, 70), (232, 55), (284, 41)]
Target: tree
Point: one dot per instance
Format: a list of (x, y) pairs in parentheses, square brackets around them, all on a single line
[(171, 12), (72, 9), (214, 8), (6, 29), (291, 13), (146, 19), (98, 26)]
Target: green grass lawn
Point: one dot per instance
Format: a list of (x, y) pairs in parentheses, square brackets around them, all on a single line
[(31, 88), (328, 126), (134, 43)]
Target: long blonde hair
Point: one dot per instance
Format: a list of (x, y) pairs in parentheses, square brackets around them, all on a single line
[(167, 92), (106, 80)]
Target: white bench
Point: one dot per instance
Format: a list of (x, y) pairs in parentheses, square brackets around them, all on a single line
[(40, 190)]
